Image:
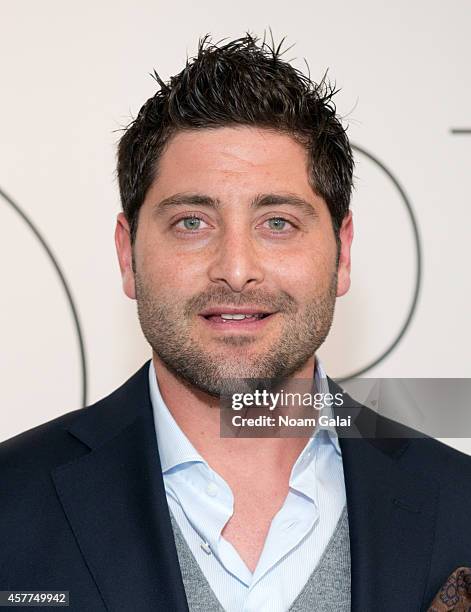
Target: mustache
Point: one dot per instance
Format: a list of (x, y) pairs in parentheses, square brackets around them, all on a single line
[(281, 301)]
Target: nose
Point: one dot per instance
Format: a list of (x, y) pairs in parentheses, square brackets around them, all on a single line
[(237, 262)]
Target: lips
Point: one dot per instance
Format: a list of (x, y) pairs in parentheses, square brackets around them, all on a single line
[(234, 310), (236, 317), (250, 324)]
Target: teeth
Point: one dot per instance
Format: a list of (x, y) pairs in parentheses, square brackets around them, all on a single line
[(238, 317)]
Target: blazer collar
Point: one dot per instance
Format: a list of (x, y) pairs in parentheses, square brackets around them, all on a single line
[(114, 499)]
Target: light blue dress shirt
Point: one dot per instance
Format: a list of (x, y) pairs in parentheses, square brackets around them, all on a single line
[(202, 502)]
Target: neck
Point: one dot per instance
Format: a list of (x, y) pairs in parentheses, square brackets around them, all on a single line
[(198, 416)]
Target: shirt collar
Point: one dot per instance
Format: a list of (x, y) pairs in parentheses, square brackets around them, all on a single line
[(174, 446), (176, 449), (322, 386)]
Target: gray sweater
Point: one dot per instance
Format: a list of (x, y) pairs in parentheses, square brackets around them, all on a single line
[(327, 589)]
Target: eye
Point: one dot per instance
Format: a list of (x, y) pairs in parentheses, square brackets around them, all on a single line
[(190, 222), (278, 224)]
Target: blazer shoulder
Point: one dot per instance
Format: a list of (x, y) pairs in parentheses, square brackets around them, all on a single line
[(56, 441), (444, 460), (43, 446), (415, 451), (409, 446)]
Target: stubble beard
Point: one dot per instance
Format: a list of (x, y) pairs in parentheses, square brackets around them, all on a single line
[(219, 369)]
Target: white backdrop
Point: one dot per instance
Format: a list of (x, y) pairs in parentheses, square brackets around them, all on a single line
[(72, 73)]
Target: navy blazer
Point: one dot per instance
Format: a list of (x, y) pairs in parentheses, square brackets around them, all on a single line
[(83, 508)]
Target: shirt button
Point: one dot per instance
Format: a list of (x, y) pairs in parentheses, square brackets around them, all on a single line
[(206, 547), (212, 489)]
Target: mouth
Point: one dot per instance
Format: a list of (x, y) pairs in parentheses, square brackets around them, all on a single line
[(239, 321)]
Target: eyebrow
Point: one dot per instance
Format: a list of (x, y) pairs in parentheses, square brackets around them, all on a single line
[(260, 201)]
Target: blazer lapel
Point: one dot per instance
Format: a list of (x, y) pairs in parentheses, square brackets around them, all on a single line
[(115, 502), (391, 513)]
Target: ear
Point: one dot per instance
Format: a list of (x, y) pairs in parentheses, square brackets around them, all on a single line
[(343, 270), (122, 238)]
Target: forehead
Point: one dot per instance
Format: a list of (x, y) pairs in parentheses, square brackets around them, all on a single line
[(233, 154)]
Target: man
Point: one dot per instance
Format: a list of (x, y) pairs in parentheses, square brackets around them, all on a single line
[(235, 181)]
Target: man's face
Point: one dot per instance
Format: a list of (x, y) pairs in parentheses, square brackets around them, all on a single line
[(241, 244)]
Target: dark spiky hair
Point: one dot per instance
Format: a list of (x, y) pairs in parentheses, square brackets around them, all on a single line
[(239, 83)]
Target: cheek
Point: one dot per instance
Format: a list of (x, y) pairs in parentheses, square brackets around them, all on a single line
[(307, 269), (171, 272)]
